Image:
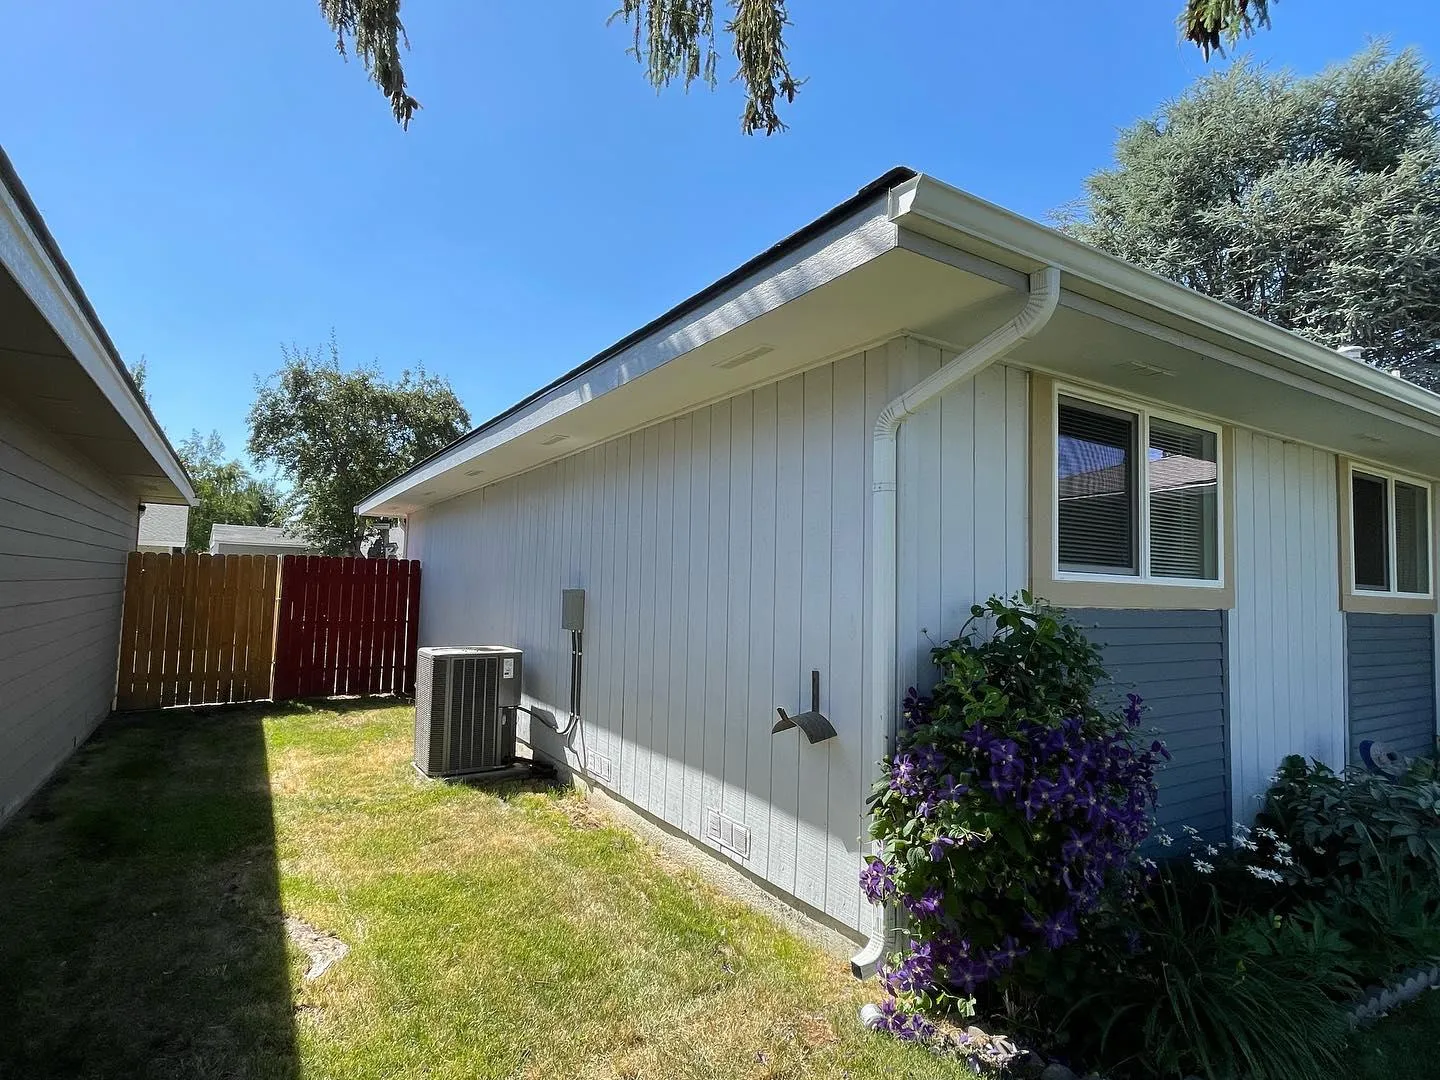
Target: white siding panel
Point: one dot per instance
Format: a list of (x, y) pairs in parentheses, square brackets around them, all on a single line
[(1287, 635), (724, 556), (65, 531)]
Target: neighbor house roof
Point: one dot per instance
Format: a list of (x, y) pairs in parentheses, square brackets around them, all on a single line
[(909, 255), (58, 361), (257, 536), (163, 526)]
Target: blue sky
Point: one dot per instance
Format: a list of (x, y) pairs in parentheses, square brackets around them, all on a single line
[(225, 185)]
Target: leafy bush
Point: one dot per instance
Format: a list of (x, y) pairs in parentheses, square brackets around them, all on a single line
[(1354, 825), (1012, 805), (1198, 990)]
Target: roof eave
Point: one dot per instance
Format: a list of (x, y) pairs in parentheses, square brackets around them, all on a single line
[(924, 204)]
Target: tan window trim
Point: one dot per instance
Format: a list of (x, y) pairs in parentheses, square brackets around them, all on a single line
[(1074, 592), (1360, 600)]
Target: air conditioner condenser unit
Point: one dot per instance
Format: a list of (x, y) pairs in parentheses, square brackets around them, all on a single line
[(465, 703)]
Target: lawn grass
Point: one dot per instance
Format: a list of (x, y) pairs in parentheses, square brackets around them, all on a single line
[(1403, 1046), (492, 934)]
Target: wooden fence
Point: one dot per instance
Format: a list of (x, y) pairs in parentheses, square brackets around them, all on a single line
[(211, 629), (196, 629), (347, 626)]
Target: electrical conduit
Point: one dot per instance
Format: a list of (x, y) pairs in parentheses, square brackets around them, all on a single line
[(1044, 295)]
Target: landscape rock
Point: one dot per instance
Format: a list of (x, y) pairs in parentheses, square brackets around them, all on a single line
[(1056, 1071)]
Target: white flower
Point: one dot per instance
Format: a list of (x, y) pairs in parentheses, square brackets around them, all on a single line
[(1266, 875), (1318, 850), (1282, 847), (1212, 850), (1284, 860), (1191, 831), (1268, 833), (1148, 864), (1247, 844), (1164, 838), (1204, 867)]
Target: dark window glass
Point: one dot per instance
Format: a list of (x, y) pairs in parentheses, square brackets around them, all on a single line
[(1095, 489), (1370, 520)]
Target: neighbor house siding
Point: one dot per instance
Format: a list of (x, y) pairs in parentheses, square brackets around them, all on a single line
[(1287, 634), (1175, 661), (1390, 662), (724, 556), (65, 531)]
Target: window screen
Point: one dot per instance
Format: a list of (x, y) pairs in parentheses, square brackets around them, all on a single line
[(1095, 488), (1370, 518), (1182, 474), (1412, 539)]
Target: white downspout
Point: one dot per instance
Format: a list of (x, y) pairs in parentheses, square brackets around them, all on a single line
[(882, 707)]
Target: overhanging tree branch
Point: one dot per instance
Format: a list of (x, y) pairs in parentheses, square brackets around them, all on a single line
[(1211, 24), (379, 36)]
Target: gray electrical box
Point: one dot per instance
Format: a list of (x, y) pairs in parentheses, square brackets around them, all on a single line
[(572, 609)]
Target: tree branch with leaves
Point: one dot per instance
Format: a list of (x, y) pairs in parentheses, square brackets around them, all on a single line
[(676, 41)]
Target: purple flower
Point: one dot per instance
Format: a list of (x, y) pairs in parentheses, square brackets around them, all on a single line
[(1132, 709), (938, 846), (877, 879), (927, 905)]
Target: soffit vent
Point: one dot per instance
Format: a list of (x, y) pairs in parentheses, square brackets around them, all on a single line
[(745, 357), (727, 832), (1149, 370), (553, 439)]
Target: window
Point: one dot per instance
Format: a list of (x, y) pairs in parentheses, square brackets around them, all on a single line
[(1389, 534), (1153, 514)]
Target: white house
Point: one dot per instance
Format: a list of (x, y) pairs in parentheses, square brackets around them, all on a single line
[(819, 462), (163, 528), (257, 540), (79, 453)]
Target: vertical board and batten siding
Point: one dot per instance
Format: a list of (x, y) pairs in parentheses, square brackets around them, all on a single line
[(724, 555), (65, 532), (1287, 634), (1390, 664), (1175, 661)]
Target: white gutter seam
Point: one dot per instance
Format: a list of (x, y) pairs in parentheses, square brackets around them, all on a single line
[(1044, 296)]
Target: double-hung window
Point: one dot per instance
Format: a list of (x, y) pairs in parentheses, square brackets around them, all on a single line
[(1136, 495), (1390, 535)]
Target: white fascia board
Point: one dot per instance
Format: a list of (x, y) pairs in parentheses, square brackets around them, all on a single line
[(925, 199), (28, 262), (849, 243)]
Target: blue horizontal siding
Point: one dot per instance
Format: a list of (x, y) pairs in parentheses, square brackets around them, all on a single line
[(1390, 660), (1175, 660)]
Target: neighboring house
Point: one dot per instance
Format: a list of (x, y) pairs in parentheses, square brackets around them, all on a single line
[(384, 540), (163, 528), (257, 540), (822, 460), (79, 454)]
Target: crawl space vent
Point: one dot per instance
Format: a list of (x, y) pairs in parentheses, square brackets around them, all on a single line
[(727, 832)]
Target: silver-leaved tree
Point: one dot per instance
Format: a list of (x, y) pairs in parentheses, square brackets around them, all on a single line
[(1311, 202)]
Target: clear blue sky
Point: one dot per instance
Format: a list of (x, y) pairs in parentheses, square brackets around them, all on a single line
[(222, 184)]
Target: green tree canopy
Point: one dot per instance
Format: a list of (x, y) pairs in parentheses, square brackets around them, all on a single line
[(677, 41), (337, 435), (1311, 202), (225, 491)]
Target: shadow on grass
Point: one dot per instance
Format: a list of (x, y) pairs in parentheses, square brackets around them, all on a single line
[(143, 934)]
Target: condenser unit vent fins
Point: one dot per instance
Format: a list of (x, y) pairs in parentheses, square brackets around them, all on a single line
[(464, 709)]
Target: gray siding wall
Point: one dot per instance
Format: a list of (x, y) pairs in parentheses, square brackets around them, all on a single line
[(1390, 662), (724, 557), (1175, 660), (65, 531)]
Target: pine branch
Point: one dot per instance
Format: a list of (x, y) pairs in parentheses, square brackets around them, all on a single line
[(1211, 24), (674, 40), (379, 36)]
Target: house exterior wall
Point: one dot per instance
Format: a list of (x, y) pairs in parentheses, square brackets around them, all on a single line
[(65, 532), (724, 554), (1390, 664), (1287, 633)]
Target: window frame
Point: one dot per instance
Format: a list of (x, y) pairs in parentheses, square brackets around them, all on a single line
[(1142, 496), (1390, 600), (1144, 590)]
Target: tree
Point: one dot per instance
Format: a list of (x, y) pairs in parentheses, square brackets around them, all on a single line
[(337, 435), (225, 491), (1311, 202), (676, 41)]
